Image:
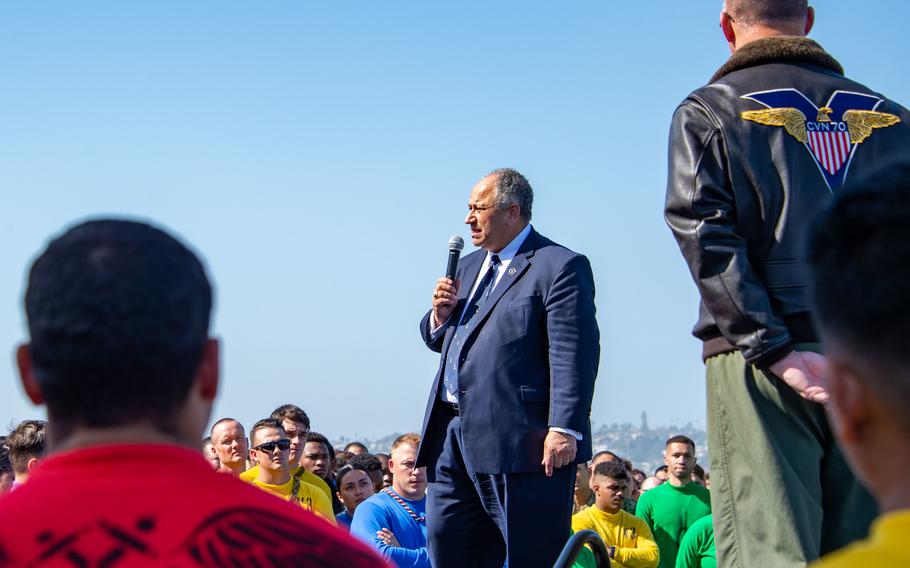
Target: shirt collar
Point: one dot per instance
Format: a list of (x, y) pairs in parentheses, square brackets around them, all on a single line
[(510, 250)]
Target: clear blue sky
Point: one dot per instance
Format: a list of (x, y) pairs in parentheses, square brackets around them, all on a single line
[(320, 154)]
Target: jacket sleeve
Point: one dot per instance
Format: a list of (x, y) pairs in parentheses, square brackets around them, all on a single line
[(701, 211), (433, 340), (368, 520), (574, 344)]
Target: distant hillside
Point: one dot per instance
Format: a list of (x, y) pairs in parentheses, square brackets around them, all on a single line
[(642, 445)]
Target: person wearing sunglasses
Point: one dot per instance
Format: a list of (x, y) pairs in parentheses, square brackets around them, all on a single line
[(270, 446), (296, 424)]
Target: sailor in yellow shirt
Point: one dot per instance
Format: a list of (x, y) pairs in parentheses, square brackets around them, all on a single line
[(269, 446), (299, 472), (628, 538), (886, 545)]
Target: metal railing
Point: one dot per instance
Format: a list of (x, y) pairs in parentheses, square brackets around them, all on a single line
[(573, 548)]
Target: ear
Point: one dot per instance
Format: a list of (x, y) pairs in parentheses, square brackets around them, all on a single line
[(726, 25), (849, 405), (27, 375), (810, 19), (209, 369), (513, 213), (32, 464)]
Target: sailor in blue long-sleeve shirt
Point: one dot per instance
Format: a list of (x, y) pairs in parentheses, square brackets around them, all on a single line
[(394, 520)]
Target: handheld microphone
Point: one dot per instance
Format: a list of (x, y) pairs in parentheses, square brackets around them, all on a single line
[(456, 243)]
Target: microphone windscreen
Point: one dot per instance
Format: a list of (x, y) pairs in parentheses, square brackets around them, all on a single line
[(456, 243)]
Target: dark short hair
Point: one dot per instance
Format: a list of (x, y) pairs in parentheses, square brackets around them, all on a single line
[(680, 439), (859, 280), (320, 439), (27, 440), (369, 462), (699, 471), (5, 465), (766, 11), (262, 425), (605, 453), (341, 459), (350, 445), (660, 469), (510, 187), (118, 315), (291, 412), (612, 469), (344, 470)]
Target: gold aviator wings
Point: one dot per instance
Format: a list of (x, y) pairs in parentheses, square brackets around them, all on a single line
[(860, 123), (790, 118)]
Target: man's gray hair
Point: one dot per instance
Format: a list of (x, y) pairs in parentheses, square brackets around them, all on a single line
[(512, 187), (753, 12)]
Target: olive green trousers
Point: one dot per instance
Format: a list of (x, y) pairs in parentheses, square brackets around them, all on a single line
[(781, 492)]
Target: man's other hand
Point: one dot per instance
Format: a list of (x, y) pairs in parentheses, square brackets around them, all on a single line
[(445, 296), (804, 372), (388, 537), (558, 450)]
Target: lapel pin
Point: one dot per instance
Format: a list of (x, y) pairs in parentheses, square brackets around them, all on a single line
[(512, 272)]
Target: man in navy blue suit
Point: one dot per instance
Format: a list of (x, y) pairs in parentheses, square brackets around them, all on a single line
[(509, 411)]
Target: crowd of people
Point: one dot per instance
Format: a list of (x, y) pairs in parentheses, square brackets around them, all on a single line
[(380, 498)]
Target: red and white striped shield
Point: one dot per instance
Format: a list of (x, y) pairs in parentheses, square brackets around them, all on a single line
[(831, 149)]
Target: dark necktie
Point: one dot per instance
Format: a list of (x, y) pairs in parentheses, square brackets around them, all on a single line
[(453, 359)]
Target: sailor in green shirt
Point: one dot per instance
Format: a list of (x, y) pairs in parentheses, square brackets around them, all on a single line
[(697, 547), (671, 508)]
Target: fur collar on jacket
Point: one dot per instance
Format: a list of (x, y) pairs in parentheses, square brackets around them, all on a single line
[(779, 49)]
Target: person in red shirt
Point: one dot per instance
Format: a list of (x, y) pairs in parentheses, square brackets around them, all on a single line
[(118, 317)]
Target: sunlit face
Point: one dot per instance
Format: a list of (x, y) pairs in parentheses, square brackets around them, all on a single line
[(274, 460), (316, 459), (582, 479), (680, 460), (407, 480), (491, 227), (608, 492), (208, 450), (296, 432), (230, 443), (6, 481), (356, 486)]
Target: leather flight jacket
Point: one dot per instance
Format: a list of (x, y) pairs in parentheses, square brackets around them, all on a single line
[(753, 155)]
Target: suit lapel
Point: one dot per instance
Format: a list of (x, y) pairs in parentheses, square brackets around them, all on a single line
[(516, 268)]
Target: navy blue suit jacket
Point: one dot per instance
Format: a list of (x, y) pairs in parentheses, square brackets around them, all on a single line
[(531, 360)]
